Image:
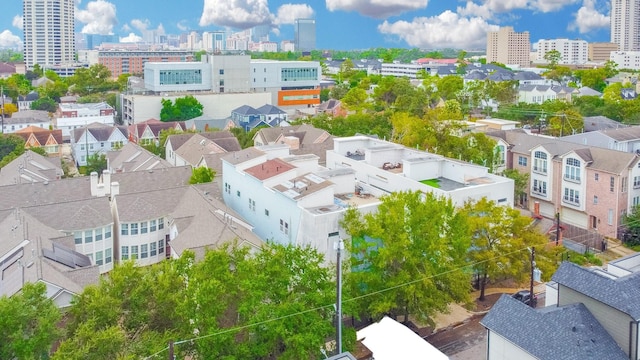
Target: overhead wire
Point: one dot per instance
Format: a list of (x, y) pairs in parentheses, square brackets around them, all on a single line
[(238, 328)]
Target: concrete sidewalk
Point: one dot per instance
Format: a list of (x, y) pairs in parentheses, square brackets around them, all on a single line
[(458, 314)]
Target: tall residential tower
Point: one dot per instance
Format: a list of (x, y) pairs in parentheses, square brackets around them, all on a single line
[(508, 47), (48, 32), (625, 24), (305, 33)]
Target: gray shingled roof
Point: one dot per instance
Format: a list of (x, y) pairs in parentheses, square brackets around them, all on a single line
[(607, 160), (148, 205), (30, 167), (599, 123), (133, 157), (623, 134), (567, 332), (621, 293), (238, 157)]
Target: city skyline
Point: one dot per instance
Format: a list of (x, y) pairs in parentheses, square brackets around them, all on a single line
[(341, 24)]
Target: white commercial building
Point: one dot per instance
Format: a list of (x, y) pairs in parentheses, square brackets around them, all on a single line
[(177, 76), (572, 52), (626, 59)]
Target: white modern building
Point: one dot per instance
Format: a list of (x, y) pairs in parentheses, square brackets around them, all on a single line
[(626, 59), (177, 76), (290, 83), (293, 200), (625, 24), (401, 70), (572, 52), (73, 115), (48, 32)]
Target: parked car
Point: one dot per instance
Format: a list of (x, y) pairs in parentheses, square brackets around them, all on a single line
[(525, 297)]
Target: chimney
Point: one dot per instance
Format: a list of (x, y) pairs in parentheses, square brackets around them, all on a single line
[(100, 191), (106, 180), (94, 183), (115, 188)]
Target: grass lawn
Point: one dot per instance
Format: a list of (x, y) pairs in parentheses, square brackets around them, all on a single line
[(432, 182)]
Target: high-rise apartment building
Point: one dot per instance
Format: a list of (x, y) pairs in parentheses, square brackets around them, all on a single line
[(48, 32), (508, 47), (625, 24), (572, 52), (305, 34)]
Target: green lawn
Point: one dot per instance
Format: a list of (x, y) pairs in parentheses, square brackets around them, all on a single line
[(432, 182)]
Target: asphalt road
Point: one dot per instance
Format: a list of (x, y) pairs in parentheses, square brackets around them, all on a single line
[(467, 341)]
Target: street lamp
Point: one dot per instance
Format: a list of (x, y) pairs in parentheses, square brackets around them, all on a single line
[(533, 266), (338, 246)]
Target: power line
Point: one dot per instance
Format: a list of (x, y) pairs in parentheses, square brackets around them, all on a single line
[(238, 328)]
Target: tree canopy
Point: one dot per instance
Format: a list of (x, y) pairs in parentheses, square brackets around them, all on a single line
[(499, 242), (201, 175), (28, 323), (402, 264), (276, 303), (183, 108)]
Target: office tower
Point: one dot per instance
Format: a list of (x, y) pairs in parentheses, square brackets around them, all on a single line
[(508, 47), (48, 32), (305, 33), (625, 24)]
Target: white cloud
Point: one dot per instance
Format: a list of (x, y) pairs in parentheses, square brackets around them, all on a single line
[(588, 18), (141, 24), (378, 9), (288, 13), (7, 39), (17, 22), (182, 25), (239, 14), (99, 17), (447, 30), (131, 38), (126, 28), (488, 9)]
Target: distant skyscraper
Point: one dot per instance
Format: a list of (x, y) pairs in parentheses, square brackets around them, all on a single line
[(48, 32), (305, 33), (625, 24), (508, 47)]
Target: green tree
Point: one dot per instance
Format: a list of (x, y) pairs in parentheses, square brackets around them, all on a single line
[(45, 104), (631, 223), (28, 323), (11, 146), (520, 182), (96, 162), (553, 57), (501, 236), (356, 99), (201, 175), (183, 108), (339, 91), (404, 265)]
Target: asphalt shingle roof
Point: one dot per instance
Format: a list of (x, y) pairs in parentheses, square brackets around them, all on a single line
[(620, 293), (568, 332)]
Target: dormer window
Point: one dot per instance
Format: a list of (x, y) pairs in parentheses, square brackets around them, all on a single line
[(572, 169), (540, 162)]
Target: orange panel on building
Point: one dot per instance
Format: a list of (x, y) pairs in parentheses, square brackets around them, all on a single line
[(299, 97)]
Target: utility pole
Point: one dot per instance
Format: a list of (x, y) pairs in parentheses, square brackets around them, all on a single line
[(2, 110), (171, 356), (339, 246), (533, 266), (557, 228)]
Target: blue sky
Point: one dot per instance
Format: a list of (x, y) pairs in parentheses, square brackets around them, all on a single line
[(340, 24)]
